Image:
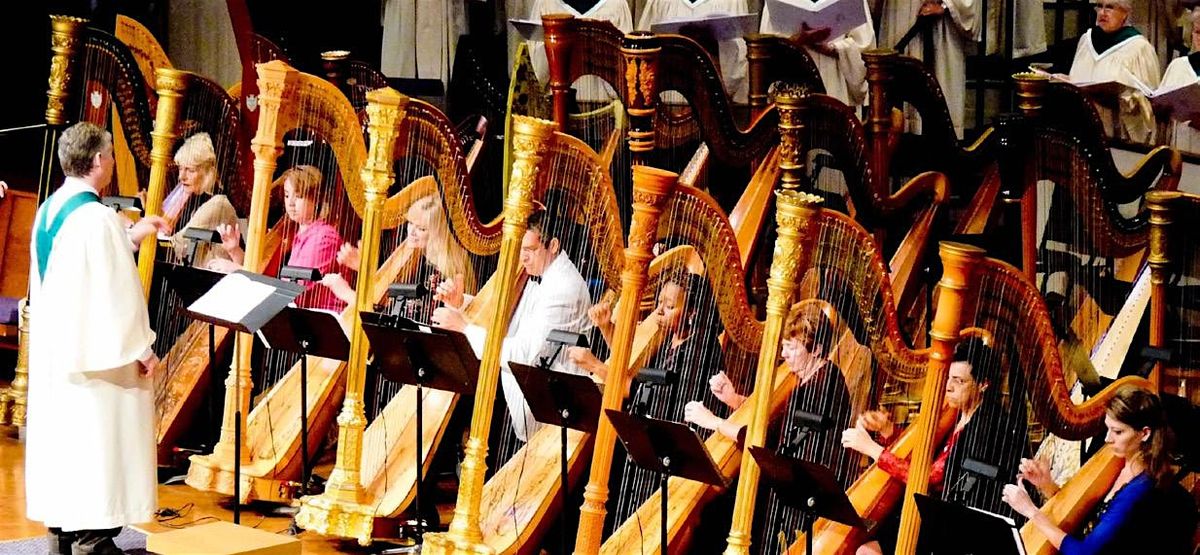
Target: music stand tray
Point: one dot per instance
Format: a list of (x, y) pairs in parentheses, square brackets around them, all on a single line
[(798, 482), (188, 282), (559, 398), (438, 359), (950, 528)]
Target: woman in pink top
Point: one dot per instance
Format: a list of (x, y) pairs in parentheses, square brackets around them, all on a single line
[(314, 245)]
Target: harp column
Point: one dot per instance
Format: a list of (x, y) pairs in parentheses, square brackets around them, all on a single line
[(345, 508), (788, 100), (532, 141), (215, 471), (879, 119), (170, 84), (960, 262), (639, 51), (1031, 88), (758, 54), (795, 212), (559, 32), (651, 189), (1162, 206), (13, 405)]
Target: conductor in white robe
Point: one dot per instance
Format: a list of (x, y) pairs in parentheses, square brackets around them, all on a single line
[(555, 298), (90, 463), (839, 59), (1114, 50), (955, 26)]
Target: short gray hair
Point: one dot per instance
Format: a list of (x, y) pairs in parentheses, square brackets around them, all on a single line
[(78, 147)]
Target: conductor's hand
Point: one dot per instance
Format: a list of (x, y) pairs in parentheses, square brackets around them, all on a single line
[(933, 7), (698, 414), (722, 388), (348, 255), (1037, 472), (147, 226), (1017, 498), (147, 367), (876, 421), (448, 318), (859, 439), (450, 292), (231, 236), (601, 313)]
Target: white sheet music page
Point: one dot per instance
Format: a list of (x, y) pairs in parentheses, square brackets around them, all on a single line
[(232, 298), (839, 16), (721, 26)]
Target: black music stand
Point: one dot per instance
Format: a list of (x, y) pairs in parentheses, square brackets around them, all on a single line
[(190, 284), (809, 487), (306, 332), (224, 305), (953, 529), (431, 357), (565, 400), (668, 448)]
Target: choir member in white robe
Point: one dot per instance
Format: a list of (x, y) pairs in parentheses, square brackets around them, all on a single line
[(589, 88), (731, 55), (957, 27), (90, 464), (420, 37), (1113, 50), (555, 298), (1185, 135), (839, 59)]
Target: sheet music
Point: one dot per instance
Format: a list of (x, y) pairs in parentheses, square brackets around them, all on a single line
[(839, 16), (527, 28), (1016, 532), (721, 26), (232, 298)]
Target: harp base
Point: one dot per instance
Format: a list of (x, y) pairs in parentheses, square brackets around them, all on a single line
[(329, 516), (448, 543), (210, 473)]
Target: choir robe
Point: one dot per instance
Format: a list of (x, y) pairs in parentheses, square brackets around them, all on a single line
[(1029, 29), (1133, 57), (420, 36), (560, 302), (90, 454), (1181, 73), (957, 28), (590, 88), (844, 75), (731, 53)]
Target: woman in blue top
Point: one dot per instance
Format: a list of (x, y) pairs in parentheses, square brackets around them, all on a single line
[(1138, 434)]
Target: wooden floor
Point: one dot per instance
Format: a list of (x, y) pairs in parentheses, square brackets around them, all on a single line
[(205, 504)]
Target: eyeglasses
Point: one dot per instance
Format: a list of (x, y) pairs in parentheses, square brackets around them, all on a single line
[(1108, 7)]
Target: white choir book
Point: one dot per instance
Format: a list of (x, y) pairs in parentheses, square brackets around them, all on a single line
[(839, 16), (720, 26), (527, 28), (232, 298)]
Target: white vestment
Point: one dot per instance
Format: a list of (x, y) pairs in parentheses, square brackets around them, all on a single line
[(90, 456), (1181, 74), (589, 88), (1130, 58), (953, 32), (420, 36), (844, 75), (560, 302), (1029, 28), (731, 53)]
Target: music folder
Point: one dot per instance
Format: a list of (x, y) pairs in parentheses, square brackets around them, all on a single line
[(444, 357), (299, 330), (244, 301), (188, 282), (550, 393), (796, 482), (528, 29), (950, 528), (720, 26), (839, 16)]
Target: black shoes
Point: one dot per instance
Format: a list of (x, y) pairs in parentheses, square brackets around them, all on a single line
[(95, 546), (59, 542), (83, 542)]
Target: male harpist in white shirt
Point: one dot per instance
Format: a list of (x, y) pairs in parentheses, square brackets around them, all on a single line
[(555, 298), (89, 457)]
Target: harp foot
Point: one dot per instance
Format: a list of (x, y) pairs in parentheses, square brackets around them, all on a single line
[(210, 473), (449, 543), (329, 516)]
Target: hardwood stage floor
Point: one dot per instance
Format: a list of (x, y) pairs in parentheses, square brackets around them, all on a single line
[(15, 526)]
